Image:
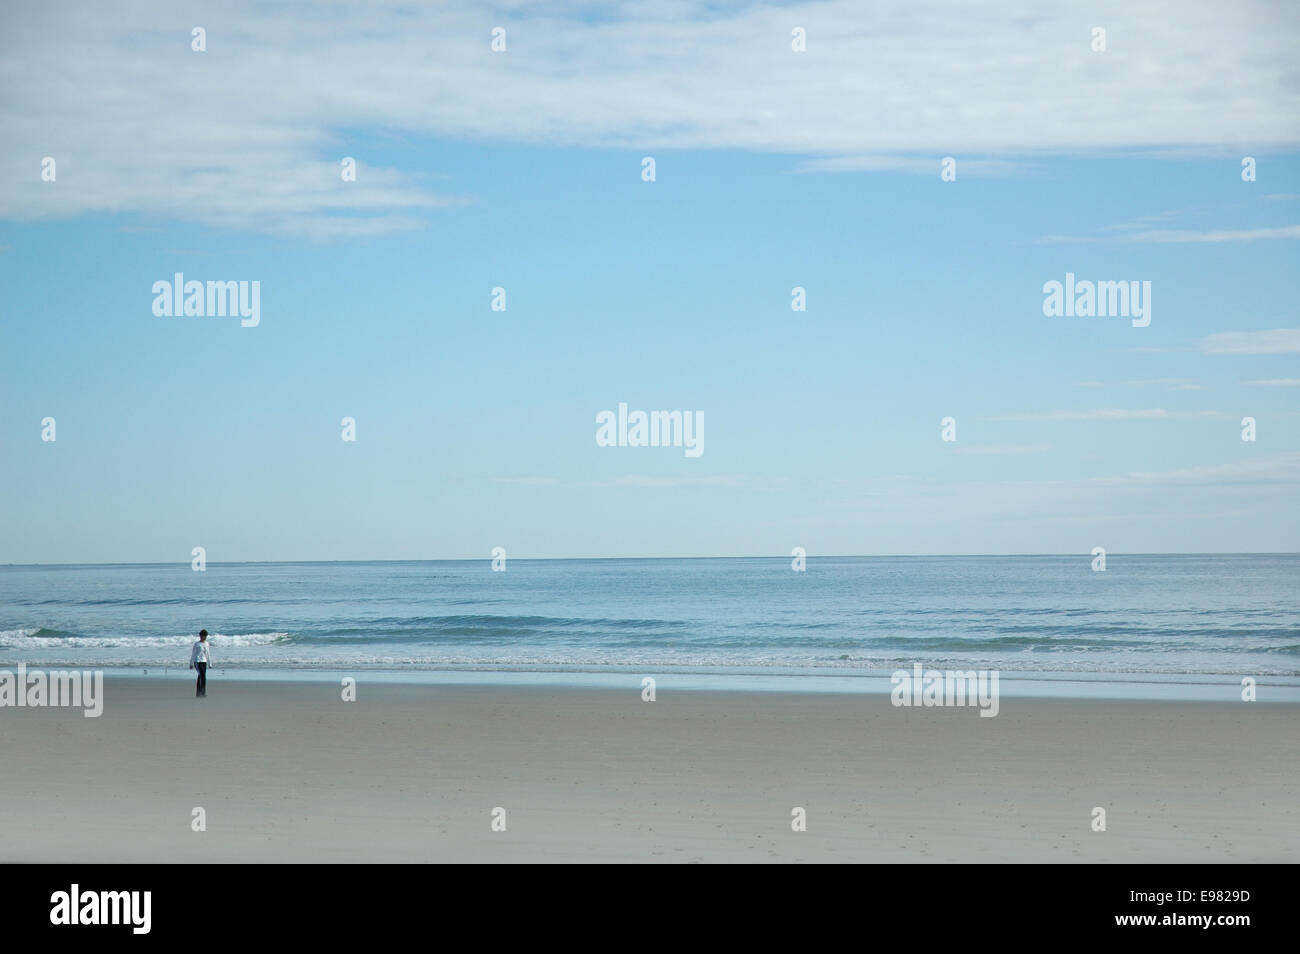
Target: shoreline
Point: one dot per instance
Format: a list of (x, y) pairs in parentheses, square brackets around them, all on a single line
[(1183, 687), (288, 771)]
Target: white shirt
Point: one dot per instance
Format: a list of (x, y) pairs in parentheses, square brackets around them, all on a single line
[(200, 652)]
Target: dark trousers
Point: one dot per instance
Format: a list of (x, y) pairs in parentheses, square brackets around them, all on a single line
[(201, 687)]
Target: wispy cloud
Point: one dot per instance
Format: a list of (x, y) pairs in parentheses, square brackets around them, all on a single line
[(1278, 468), (1142, 231), (1218, 235), (1281, 196), (923, 165), (1142, 222), (1173, 384), (1275, 383), (526, 481), (1067, 239), (249, 134), (632, 480), (645, 480), (1107, 414), (1275, 341), (1000, 450)]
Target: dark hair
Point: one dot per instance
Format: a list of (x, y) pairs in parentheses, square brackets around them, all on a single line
[(203, 632)]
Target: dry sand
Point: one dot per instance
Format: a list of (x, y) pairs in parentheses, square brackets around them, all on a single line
[(289, 772)]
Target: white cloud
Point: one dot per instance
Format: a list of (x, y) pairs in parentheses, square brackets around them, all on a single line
[(1276, 341), (1143, 222), (249, 133), (924, 166), (1281, 467), (1276, 383), (1174, 384), (1000, 450), (644, 480), (1219, 235), (632, 480), (1096, 414), (526, 481), (1108, 414)]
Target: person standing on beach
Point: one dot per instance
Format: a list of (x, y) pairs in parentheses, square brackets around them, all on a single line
[(200, 656)]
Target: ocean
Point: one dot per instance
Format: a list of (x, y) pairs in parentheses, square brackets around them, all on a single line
[(1145, 615)]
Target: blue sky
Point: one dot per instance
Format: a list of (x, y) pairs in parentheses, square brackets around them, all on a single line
[(476, 428)]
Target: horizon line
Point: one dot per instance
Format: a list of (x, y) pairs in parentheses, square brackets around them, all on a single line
[(823, 556)]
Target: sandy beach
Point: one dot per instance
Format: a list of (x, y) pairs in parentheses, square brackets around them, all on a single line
[(290, 772)]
